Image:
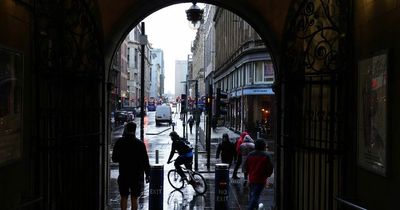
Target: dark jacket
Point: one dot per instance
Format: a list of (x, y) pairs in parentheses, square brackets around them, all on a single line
[(131, 154), (227, 151), (191, 121), (181, 147), (259, 166)]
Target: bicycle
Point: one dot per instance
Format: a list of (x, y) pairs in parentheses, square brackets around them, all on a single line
[(199, 185), (178, 200)]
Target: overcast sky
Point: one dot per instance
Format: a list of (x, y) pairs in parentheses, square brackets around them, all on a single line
[(168, 29)]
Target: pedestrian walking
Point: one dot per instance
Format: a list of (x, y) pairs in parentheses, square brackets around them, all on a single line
[(133, 161), (226, 149), (245, 148), (190, 122), (259, 167), (239, 155)]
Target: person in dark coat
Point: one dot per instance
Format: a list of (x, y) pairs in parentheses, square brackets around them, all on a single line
[(227, 150), (259, 167), (131, 154), (191, 122)]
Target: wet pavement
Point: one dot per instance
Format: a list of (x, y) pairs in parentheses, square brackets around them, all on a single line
[(157, 138)]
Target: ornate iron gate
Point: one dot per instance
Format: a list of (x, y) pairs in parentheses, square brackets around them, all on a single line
[(70, 104), (311, 142)]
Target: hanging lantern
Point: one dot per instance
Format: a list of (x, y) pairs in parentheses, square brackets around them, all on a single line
[(195, 16)]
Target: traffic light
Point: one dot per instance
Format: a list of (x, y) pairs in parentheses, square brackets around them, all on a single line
[(208, 104), (183, 103), (221, 103)]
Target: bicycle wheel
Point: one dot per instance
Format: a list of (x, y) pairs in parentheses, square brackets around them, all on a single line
[(174, 179), (200, 185)]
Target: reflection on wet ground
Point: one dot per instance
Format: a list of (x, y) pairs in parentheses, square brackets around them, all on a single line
[(186, 198)]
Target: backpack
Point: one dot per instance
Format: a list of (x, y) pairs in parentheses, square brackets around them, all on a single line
[(184, 146)]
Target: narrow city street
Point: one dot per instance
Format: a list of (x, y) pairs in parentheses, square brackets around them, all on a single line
[(157, 138)]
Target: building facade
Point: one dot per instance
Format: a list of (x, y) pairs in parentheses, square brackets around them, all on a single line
[(134, 68), (156, 73), (244, 71), (181, 70), (198, 63), (120, 71), (209, 47)]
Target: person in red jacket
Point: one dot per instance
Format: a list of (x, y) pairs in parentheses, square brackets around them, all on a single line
[(239, 154), (259, 167)]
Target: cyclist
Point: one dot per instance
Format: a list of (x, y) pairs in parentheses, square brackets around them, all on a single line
[(182, 146)]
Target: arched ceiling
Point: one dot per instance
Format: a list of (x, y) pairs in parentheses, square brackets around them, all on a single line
[(268, 17)]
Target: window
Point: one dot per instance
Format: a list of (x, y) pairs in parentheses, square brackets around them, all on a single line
[(243, 76), (249, 73), (259, 69), (268, 72), (136, 59)]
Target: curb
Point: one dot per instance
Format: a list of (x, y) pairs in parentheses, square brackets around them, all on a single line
[(158, 132)]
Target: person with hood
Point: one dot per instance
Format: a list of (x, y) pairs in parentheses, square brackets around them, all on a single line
[(226, 149), (131, 154), (259, 166), (245, 148), (185, 152), (239, 155)]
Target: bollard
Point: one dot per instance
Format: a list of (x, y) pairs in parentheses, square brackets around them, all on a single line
[(156, 189), (221, 186), (156, 156)]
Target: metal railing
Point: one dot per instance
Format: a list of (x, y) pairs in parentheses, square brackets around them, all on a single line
[(350, 204)]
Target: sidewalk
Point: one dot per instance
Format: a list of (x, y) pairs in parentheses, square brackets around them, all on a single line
[(238, 196)]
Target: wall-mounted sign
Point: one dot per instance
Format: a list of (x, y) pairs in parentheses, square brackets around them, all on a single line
[(258, 91), (10, 106), (372, 113)]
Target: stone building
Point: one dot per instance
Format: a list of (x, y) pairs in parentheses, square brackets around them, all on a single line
[(244, 71), (134, 67)]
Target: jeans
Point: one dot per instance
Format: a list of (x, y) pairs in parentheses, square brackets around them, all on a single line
[(255, 193), (187, 161)]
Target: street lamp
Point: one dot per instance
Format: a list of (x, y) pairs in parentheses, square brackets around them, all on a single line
[(194, 15)]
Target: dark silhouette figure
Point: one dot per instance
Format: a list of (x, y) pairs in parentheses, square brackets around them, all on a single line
[(226, 149), (190, 122), (184, 150), (133, 161)]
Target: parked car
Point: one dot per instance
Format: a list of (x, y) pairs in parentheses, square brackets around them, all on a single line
[(129, 109), (121, 117)]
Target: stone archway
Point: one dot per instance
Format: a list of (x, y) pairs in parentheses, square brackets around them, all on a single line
[(66, 146), (268, 24), (306, 68)]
